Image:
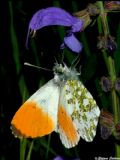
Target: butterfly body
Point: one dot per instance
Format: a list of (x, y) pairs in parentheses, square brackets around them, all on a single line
[(63, 105)]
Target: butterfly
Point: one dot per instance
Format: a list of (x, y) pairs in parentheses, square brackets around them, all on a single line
[(62, 105)]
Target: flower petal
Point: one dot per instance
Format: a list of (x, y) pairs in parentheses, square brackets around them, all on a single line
[(72, 43), (58, 158), (77, 26), (54, 16)]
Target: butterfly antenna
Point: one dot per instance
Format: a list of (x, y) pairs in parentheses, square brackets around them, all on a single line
[(31, 65), (76, 61), (56, 62), (80, 70)]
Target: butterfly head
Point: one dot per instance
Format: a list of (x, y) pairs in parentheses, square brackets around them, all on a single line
[(62, 73)]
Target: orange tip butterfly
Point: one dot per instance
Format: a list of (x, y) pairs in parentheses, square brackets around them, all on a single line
[(62, 105)]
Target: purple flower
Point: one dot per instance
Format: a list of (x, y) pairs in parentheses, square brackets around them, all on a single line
[(72, 43), (57, 16), (107, 43), (58, 158), (117, 2), (61, 158)]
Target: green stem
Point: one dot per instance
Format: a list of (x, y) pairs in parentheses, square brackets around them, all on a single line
[(103, 16), (111, 68), (115, 102), (23, 143), (30, 151), (48, 147)]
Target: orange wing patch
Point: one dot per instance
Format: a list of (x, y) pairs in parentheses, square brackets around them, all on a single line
[(31, 121), (66, 125)]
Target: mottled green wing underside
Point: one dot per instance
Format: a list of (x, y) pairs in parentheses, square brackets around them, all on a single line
[(81, 106)]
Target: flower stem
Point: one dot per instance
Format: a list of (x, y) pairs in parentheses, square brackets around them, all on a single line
[(30, 150), (109, 61), (23, 143)]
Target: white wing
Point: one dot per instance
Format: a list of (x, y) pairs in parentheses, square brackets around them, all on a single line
[(38, 115), (78, 105)]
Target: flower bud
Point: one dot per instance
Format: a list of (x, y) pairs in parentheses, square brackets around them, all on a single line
[(107, 43), (106, 84)]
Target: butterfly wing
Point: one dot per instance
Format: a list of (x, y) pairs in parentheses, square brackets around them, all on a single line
[(38, 115), (77, 114)]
